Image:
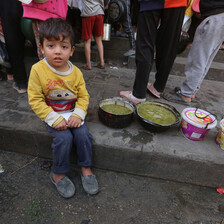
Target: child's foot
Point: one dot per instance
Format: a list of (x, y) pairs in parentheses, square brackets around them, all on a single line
[(86, 171), (89, 181), (86, 67), (64, 186), (57, 177), (101, 66)]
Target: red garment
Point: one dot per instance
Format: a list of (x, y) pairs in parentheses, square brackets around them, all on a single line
[(92, 24), (175, 3)]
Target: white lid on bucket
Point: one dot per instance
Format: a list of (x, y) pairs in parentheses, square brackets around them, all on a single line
[(203, 119)]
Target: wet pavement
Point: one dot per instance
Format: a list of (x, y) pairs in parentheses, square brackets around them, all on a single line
[(28, 197)]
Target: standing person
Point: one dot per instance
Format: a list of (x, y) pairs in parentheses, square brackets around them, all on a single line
[(208, 38), (92, 21), (11, 13), (58, 95), (159, 26), (127, 26), (39, 12)]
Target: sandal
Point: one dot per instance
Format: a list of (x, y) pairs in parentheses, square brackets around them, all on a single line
[(86, 67), (176, 89), (129, 96), (176, 97), (100, 66), (152, 90)]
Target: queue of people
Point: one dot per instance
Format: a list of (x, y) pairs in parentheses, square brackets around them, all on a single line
[(56, 88)]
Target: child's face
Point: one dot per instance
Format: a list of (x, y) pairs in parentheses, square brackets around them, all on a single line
[(58, 52)]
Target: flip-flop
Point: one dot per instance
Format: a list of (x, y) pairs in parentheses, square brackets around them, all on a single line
[(176, 89), (152, 90), (86, 67), (175, 97), (128, 95), (100, 66)]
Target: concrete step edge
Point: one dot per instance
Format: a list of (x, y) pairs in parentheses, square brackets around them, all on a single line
[(35, 140)]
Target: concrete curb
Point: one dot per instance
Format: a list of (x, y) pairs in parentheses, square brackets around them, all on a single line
[(132, 150)]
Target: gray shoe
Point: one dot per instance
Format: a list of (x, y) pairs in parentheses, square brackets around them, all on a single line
[(90, 184), (129, 53), (18, 88), (65, 187)]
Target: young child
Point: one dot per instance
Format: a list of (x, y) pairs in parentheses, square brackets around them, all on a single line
[(58, 95), (92, 21)]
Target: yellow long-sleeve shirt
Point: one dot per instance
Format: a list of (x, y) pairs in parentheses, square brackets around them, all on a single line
[(51, 92)]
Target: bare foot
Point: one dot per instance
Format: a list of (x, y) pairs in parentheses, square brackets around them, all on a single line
[(58, 177), (187, 99), (86, 171), (10, 77)]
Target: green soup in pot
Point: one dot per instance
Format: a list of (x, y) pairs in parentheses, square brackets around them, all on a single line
[(157, 114), (116, 109)]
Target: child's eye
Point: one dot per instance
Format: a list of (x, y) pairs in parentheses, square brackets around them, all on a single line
[(64, 47), (50, 45)]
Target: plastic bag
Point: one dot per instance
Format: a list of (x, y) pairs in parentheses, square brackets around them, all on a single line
[(4, 58)]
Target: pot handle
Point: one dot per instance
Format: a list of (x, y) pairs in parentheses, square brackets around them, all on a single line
[(205, 117)]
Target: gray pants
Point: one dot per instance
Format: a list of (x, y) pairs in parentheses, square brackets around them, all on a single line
[(207, 40), (127, 26)]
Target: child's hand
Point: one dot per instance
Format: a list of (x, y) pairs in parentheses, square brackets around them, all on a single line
[(74, 122), (61, 126)]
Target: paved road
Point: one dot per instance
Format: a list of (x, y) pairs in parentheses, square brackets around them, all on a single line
[(27, 196)]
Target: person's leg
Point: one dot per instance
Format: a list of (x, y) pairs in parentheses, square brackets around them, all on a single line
[(61, 148), (146, 35), (127, 26), (87, 28), (167, 43), (11, 13), (36, 24), (98, 32), (83, 142), (99, 44), (87, 48), (204, 48)]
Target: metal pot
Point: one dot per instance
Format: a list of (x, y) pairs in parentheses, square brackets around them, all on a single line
[(106, 31), (114, 120), (154, 127)]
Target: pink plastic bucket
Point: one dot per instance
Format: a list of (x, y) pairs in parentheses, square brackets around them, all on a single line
[(196, 123)]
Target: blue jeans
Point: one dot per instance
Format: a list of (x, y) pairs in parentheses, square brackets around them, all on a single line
[(62, 145)]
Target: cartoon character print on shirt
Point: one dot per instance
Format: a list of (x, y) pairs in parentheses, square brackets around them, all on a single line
[(61, 100)]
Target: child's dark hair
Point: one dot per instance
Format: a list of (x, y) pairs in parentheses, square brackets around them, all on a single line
[(55, 28)]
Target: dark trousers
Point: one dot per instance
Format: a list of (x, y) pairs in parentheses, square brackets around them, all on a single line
[(62, 145), (11, 13), (164, 39)]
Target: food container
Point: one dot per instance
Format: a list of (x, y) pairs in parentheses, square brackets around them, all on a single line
[(116, 120), (162, 124), (220, 136), (196, 123), (106, 31)]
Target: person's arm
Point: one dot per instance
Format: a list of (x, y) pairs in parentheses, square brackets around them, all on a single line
[(37, 101), (82, 102)]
